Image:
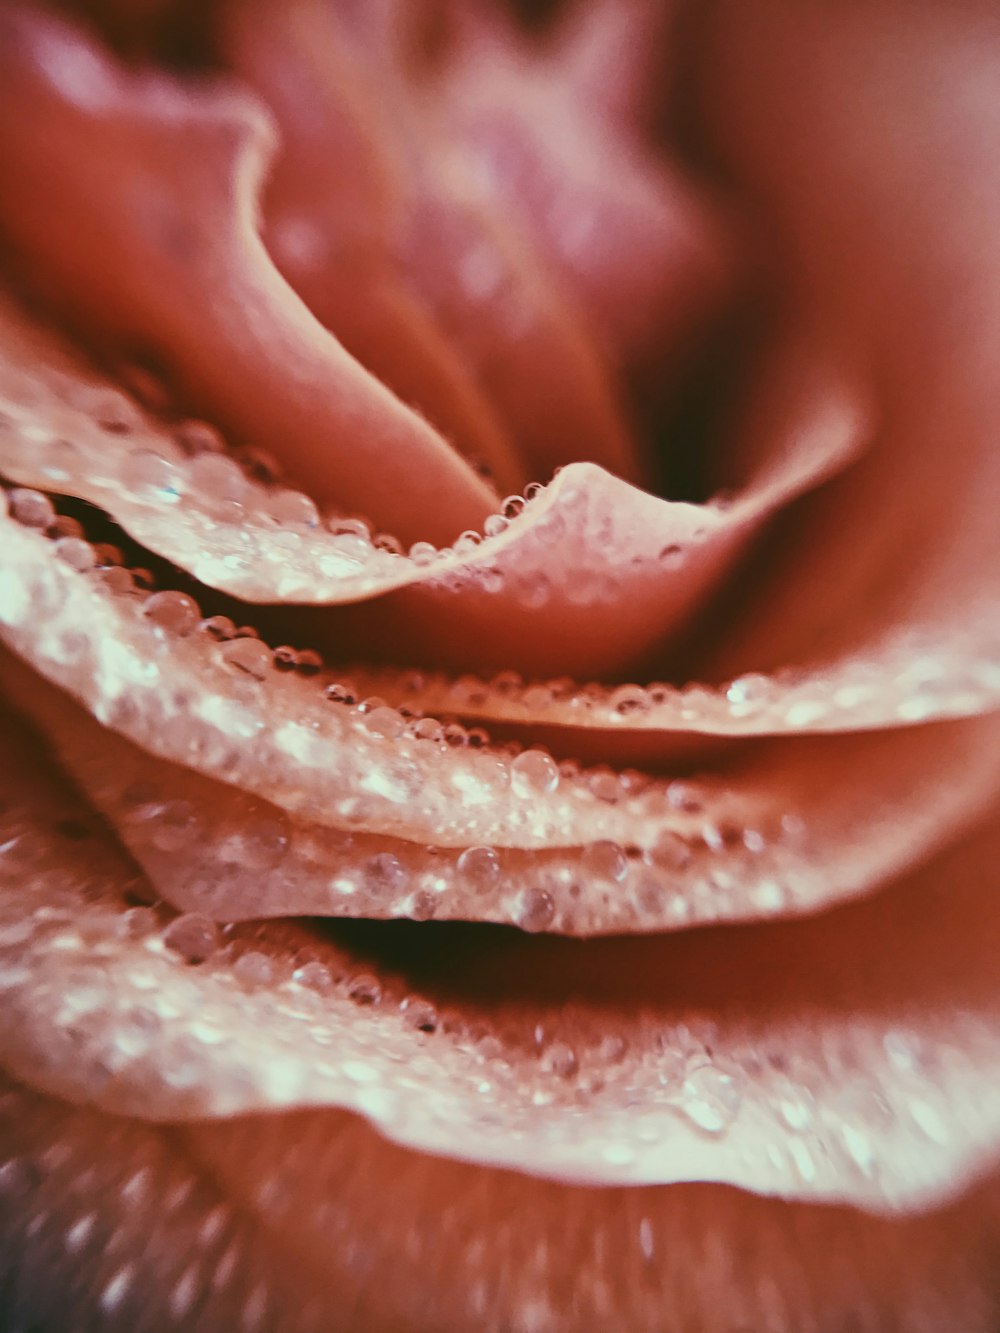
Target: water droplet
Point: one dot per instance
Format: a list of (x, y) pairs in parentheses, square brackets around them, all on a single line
[(605, 860), (76, 553), (315, 977), (385, 874), (748, 691), (192, 937), (116, 580), (605, 786), (148, 474), (670, 851), (419, 1014), (427, 729), (292, 509), (249, 655), (284, 658), (612, 1048), (339, 692), (30, 508), (495, 525), (260, 844), (629, 701), (480, 868), (173, 612), (217, 478), (559, 1058), (385, 721), (686, 797), (535, 910), (364, 989), (711, 1098), (423, 553), (534, 773), (253, 970), (219, 628)]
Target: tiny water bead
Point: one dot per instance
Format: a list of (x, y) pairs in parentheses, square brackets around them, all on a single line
[(559, 1058), (293, 509), (535, 910), (173, 612), (479, 867), (217, 478), (711, 1098), (250, 656), (419, 1014), (364, 989), (31, 508), (253, 970), (605, 861), (314, 976), (534, 773), (76, 553), (145, 472), (193, 937)]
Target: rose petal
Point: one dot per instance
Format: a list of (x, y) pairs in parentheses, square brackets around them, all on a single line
[(595, 573), (175, 203), (882, 208), (840, 1074), (510, 329), (131, 1222), (780, 831)]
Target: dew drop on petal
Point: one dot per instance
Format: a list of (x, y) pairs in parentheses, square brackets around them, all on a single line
[(30, 508), (364, 989), (535, 910), (148, 474), (173, 612), (293, 509), (605, 860), (192, 937), (670, 851), (215, 477), (533, 773), (253, 970), (710, 1098), (249, 655), (76, 553), (559, 1058), (480, 868), (218, 627), (314, 976), (419, 1014)]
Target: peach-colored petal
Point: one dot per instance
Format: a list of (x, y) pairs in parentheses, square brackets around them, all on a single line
[(625, 232), (512, 328), (866, 155), (779, 831), (175, 202), (311, 1220), (843, 1073), (595, 574)]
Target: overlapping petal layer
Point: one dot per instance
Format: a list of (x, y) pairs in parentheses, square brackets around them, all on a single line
[(351, 247)]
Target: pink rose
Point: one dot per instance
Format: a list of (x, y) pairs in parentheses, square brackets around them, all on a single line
[(379, 949)]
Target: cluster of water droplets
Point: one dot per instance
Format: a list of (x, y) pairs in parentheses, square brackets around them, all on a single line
[(912, 678), (225, 514), (252, 1016), (697, 858)]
